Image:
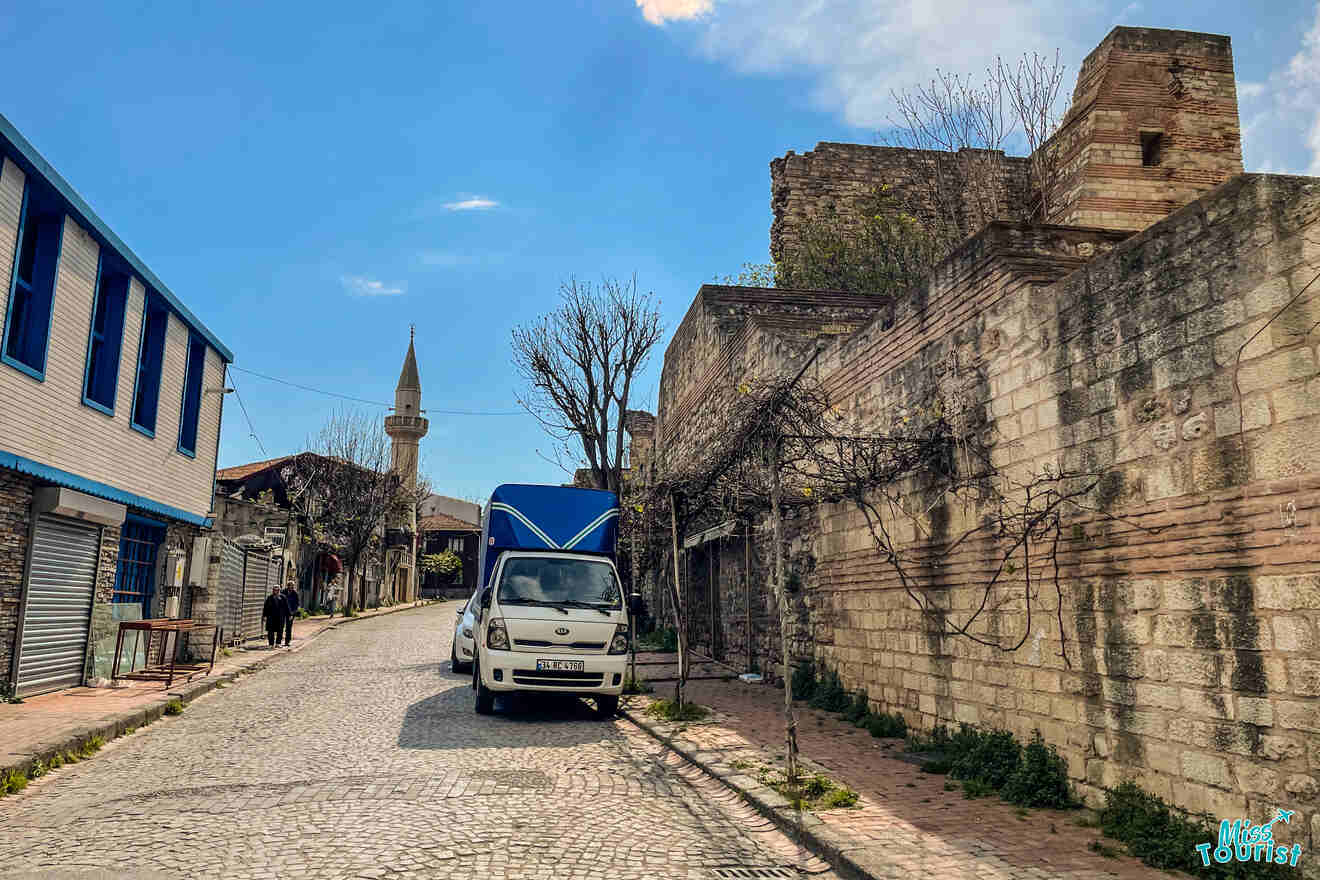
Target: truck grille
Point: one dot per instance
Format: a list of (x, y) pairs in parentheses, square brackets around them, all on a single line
[(550, 678), (580, 646)]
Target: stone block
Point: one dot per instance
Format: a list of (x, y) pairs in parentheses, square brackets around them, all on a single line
[(1215, 319), (1296, 401), (1210, 704), (1255, 710), (1252, 778), (1293, 715), (1276, 369), (1254, 413), (1280, 748), (1304, 674), (1288, 593), (1207, 769), (1267, 298), (1157, 696), (1302, 786), (1294, 634)]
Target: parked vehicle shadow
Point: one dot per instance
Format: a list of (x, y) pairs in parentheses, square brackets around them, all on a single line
[(446, 721)]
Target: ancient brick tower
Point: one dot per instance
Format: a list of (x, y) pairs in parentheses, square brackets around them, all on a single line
[(406, 428)]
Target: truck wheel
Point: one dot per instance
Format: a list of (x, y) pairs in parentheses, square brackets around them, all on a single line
[(607, 705), (485, 701)]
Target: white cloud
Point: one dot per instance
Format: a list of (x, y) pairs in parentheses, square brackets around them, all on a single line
[(1281, 117), (855, 52), (475, 203), (358, 285), (660, 11)]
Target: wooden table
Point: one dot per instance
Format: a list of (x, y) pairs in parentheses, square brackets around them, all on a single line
[(160, 670)]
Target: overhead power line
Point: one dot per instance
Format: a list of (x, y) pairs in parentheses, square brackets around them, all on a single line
[(446, 412), (243, 407)]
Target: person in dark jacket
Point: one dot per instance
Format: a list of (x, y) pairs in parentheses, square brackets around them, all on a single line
[(275, 611), (291, 604)]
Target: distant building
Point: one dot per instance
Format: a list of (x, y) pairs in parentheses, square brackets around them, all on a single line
[(442, 532), (467, 511), (109, 430)]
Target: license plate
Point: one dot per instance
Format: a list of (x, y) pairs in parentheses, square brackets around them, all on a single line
[(560, 665)]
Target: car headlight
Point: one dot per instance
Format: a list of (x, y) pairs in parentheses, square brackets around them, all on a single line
[(467, 632), (619, 644), (497, 637)]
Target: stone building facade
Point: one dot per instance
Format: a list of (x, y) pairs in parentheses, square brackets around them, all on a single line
[(1164, 336)]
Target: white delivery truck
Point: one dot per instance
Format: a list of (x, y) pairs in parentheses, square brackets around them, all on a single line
[(552, 616)]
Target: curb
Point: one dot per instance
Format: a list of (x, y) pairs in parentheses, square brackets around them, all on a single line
[(848, 857), (115, 725)]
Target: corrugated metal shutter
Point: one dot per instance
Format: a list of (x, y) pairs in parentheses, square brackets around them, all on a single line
[(254, 593), (230, 612), (58, 610)]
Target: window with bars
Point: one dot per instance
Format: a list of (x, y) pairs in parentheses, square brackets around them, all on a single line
[(135, 575)]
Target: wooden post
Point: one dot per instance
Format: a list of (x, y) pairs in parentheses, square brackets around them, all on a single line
[(747, 587), (678, 604), (711, 594), (776, 520)]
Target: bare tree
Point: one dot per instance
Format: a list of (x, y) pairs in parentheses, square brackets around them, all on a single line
[(579, 363), (348, 483), (956, 129)]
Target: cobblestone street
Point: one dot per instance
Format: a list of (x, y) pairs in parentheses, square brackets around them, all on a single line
[(360, 756)]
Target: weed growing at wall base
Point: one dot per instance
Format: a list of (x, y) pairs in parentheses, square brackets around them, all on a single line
[(1164, 837)]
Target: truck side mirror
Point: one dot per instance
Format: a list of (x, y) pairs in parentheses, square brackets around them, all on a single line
[(636, 605), (485, 598)]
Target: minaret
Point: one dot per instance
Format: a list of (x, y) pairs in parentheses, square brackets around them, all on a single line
[(406, 429)]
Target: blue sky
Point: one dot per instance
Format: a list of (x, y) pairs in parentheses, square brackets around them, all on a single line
[(312, 178)]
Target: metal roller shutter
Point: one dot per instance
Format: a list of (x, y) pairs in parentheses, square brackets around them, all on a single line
[(58, 610)]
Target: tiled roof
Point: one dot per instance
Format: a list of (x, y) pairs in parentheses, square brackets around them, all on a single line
[(443, 522), (243, 471)]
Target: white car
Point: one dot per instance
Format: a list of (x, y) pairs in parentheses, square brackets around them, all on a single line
[(460, 655)]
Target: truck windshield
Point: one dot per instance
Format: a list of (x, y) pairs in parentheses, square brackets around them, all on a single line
[(536, 580)]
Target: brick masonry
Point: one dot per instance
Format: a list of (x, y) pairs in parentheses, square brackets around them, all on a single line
[(1138, 83)]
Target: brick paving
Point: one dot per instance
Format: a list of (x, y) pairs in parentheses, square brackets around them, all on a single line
[(26, 727), (360, 756), (906, 822)]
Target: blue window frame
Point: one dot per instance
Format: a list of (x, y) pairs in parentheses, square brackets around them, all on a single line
[(32, 282), (106, 338), (192, 395), (151, 357), (135, 574)]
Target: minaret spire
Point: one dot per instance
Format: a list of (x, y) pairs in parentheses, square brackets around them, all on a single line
[(406, 427)]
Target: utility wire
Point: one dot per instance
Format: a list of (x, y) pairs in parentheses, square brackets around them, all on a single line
[(243, 407), (446, 412)]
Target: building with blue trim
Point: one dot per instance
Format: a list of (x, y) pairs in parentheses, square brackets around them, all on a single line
[(109, 431)]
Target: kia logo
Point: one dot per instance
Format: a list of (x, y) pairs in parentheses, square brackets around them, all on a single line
[(562, 631)]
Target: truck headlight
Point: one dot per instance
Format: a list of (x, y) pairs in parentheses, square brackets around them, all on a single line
[(497, 637), (619, 644)]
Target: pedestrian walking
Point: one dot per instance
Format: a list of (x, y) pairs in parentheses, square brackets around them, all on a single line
[(275, 611), (291, 604)]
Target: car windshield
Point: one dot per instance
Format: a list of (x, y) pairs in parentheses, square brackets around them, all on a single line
[(536, 580)]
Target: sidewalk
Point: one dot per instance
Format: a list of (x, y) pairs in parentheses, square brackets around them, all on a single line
[(905, 825), (41, 726)]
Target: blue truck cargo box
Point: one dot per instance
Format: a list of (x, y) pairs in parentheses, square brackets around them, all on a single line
[(566, 519)]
